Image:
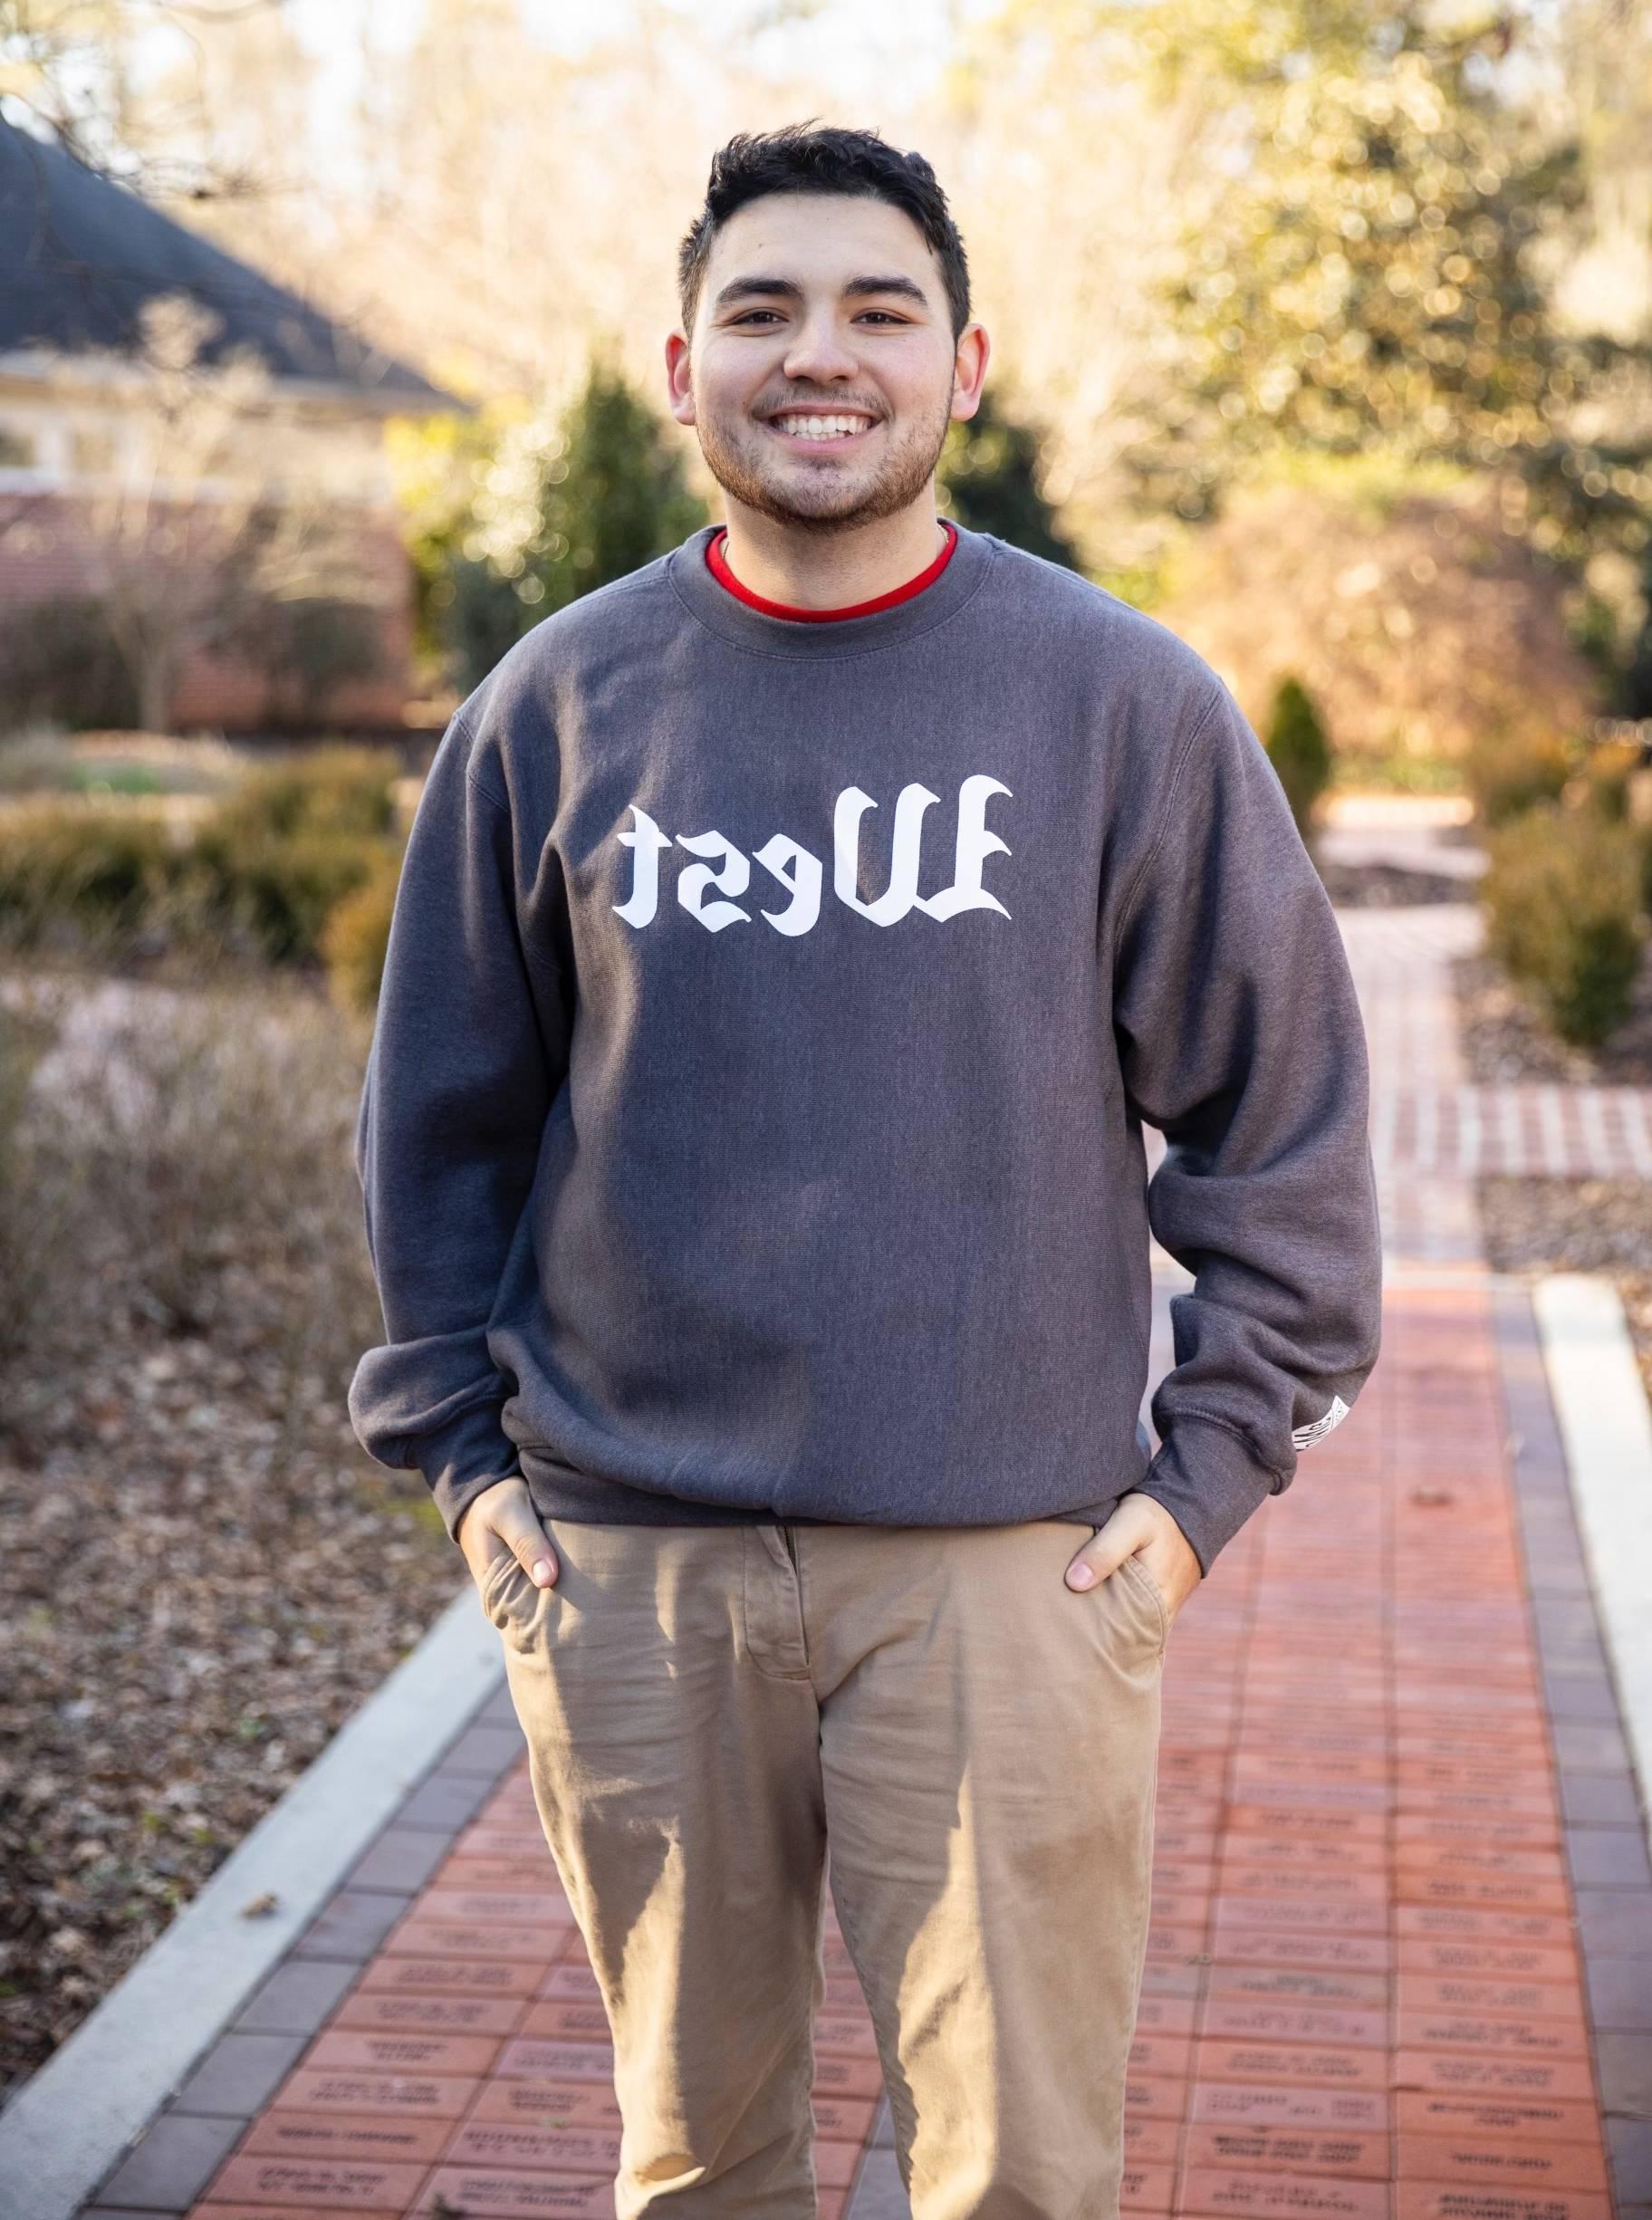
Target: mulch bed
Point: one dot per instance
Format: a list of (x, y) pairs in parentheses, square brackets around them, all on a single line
[(206, 1575), (183, 1637), (1504, 1037), (1546, 1224), (1388, 886), (1604, 1225)]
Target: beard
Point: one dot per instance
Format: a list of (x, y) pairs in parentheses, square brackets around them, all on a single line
[(825, 497)]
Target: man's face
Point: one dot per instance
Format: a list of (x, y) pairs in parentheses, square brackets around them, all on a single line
[(816, 306)]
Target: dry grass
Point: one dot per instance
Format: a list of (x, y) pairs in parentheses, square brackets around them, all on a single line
[(205, 1573)]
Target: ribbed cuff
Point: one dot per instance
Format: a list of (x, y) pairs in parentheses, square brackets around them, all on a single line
[(464, 1457), (1209, 1483)]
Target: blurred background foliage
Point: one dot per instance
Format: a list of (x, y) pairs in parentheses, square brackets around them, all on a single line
[(1370, 277), (516, 513)]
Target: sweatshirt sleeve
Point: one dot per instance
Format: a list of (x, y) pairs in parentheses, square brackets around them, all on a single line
[(467, 1057), (1241, 1040)]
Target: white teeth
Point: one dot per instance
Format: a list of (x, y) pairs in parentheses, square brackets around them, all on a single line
[(819, 428)]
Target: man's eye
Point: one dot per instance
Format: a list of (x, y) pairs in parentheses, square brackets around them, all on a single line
[(882, 312)]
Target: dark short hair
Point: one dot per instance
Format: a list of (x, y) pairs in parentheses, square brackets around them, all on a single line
[(804, 158)]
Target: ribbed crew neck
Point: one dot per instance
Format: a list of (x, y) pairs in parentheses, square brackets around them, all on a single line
[(716, 562), (734, 617)]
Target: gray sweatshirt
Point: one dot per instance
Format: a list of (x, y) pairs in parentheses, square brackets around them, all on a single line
[(753, 1124)]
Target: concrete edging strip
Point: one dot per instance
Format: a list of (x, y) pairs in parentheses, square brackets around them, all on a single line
[(71, 2120), (1606, 1428)]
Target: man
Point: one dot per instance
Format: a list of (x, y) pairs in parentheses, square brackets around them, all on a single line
[(792, 940)]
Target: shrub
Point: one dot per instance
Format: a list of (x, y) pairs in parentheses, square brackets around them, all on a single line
[(34, 1222), (990, 474), (59, 661), (537, 513), (1511, 768), (1601, 781), (296, 837), (334, 789), (260, 876), (36, 759), (183, 1164), (357, 933), (274, 894), (1299, 750), (97, 868), (1562, 896)]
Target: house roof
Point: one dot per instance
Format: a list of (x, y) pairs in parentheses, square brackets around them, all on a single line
[(80, 256)]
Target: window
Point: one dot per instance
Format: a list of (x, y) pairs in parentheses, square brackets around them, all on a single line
[(16, 448)]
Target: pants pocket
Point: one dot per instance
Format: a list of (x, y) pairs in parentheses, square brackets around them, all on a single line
[(508, 1596), (1150, 1588)]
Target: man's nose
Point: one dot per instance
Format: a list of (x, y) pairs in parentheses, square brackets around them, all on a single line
[(818, 352)]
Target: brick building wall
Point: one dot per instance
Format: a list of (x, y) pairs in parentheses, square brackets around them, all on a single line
[(48, 549)]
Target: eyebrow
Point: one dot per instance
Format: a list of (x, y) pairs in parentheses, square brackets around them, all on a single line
[(785, 289)]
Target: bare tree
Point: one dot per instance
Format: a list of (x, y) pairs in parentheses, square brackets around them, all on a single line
[(211, 514), (69, 65)]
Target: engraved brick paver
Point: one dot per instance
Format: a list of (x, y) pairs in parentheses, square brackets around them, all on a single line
[(1399, 1965)]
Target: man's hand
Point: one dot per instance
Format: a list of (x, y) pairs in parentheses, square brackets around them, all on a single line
[(1140, 1525), (504, 1515)]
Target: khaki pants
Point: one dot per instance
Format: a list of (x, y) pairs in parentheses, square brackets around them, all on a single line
[(703, 1706)]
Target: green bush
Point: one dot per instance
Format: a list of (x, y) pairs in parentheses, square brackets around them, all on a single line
[(263, 872), (989, 474), (1508, 770), (1601, 781), (96, 867), (357, 933), (1562, 896), (1299, 750), (273, 895), (295, 838), (552, 511), (337, 789)]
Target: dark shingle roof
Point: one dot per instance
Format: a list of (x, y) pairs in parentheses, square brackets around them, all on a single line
[(80, 256)]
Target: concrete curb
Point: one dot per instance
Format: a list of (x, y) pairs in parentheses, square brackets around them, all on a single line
[(1606, 1428), (68, 2124)]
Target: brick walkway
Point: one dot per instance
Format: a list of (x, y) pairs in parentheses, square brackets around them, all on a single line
[(1429, 1120), (1400, 1963)]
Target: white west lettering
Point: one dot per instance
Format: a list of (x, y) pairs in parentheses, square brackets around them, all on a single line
[(646, 842), (801, 873), (976, 844), (733, 878), (901, 892), (795, 868)]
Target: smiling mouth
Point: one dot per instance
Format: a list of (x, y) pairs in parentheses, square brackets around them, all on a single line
[(834, 436)]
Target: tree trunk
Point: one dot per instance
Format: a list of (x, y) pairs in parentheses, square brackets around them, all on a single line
[(155, 689)]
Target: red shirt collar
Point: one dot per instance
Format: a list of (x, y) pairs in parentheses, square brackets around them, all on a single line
[(720, 571)]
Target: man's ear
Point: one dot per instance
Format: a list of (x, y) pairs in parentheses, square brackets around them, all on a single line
[(678, 359), (975, 339)]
